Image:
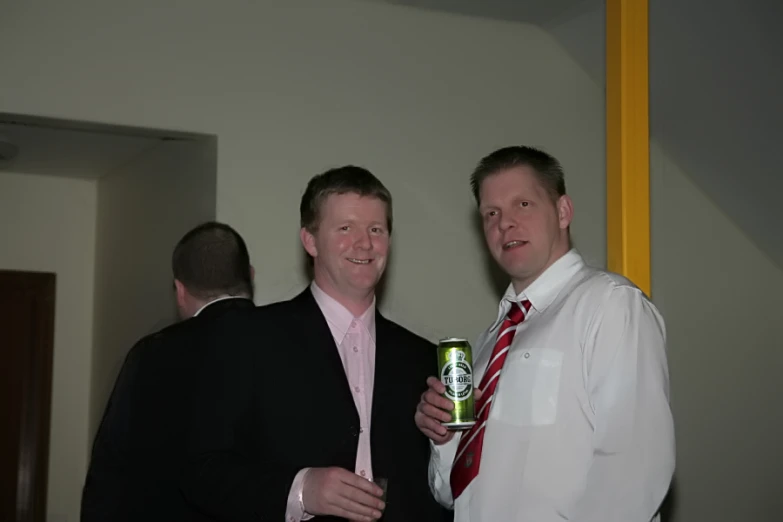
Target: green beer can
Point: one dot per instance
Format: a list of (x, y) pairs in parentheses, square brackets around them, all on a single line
[(455, 368)]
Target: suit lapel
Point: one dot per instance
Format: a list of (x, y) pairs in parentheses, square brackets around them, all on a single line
[(383, 385), (318, 337)]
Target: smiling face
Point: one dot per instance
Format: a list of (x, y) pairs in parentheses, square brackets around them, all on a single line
[(349, 246), (526, 231)]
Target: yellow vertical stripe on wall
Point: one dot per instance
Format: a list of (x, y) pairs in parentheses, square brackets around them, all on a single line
[(628, 140)]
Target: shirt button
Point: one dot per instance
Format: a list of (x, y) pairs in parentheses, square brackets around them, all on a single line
[(363, 473), (353, 324), (527, 355), (355, 349), (361, 430), (356, 389)]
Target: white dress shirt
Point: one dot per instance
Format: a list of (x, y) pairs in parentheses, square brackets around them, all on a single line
[(580, 427), (221, 298)]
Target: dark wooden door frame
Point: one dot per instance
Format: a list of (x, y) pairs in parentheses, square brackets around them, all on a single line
[(33, 464)]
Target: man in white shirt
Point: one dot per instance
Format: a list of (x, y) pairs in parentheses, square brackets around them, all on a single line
[(573, 417)]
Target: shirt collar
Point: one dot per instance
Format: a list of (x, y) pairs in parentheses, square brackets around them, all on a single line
[(545, 288), (338, 316), (221, 298)]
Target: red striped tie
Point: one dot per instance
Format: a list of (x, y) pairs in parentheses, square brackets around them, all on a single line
[(468, 459)]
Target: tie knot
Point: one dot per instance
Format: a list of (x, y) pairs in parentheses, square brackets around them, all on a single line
[(517, 314)]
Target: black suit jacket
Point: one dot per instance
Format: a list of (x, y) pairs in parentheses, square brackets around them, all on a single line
[(139, 449), (287, 405)]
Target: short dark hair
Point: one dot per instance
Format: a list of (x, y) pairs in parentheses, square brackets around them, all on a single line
[(212, 260), (547, 169), (342, 180)]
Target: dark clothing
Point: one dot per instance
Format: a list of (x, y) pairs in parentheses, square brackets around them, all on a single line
[(138, 453), (284, 403)]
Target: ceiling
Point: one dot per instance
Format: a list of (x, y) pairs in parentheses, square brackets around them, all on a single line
[(540, 12), (70, 149), (715, 106)]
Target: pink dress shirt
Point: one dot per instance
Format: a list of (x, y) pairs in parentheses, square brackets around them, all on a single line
[(354, 338)]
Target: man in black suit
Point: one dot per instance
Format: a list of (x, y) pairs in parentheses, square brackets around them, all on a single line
[(139, 449), (308, 424)]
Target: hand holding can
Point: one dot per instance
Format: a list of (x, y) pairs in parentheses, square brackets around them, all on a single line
[(455, 369)]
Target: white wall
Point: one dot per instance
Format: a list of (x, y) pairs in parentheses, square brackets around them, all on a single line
[(291, 90), (48, 224), (721, 298), (417, 97), (144, 208)]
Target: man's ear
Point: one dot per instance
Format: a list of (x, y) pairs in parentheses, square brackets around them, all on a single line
[(565, 211), (181, 293), (308, 241)]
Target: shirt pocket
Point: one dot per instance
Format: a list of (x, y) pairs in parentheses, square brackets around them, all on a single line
[(529, 388)]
